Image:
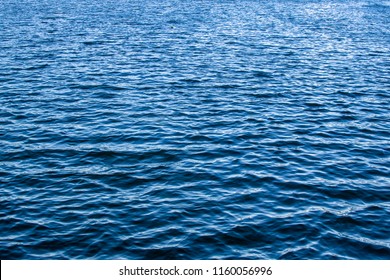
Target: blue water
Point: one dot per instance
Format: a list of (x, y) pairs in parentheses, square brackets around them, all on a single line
[(190, 129)]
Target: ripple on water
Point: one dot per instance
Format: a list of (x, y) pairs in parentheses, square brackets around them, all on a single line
[(215, 133)]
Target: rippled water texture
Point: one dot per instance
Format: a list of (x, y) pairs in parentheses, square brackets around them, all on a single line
[(189, 129)]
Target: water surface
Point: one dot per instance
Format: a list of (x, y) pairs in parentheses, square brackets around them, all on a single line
[(216, 129)]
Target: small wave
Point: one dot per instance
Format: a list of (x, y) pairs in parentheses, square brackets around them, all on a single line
[(105, 87), (262, 74), (37, 67)]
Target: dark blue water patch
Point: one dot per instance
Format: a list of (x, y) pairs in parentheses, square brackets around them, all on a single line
[(183, 130), (262, 74)]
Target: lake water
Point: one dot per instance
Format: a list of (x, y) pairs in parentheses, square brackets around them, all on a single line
[(185, 129)]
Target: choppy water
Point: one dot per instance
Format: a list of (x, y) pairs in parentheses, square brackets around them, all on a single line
[(182, 129)]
